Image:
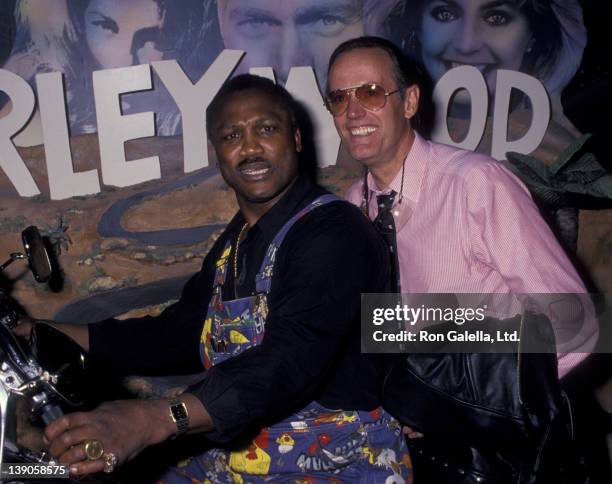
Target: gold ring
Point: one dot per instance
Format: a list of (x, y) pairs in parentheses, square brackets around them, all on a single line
[(93, 449), (110, 461)]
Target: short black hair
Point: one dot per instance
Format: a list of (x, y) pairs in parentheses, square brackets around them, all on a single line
[(246, 82), (406, 72)]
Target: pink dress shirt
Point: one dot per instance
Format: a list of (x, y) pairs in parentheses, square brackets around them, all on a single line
[(465, 224)]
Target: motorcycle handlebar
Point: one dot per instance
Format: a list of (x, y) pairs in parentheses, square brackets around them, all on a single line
[(50, 412)]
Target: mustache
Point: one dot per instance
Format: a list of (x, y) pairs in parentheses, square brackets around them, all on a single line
[(250, 160)]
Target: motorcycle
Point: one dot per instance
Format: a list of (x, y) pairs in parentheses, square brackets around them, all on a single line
[(47, 373)]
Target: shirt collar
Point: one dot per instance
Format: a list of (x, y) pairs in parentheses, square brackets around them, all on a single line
[(415, 165), (272, 221)]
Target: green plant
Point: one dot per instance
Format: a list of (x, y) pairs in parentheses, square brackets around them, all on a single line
[(57, 235), (568, 184)]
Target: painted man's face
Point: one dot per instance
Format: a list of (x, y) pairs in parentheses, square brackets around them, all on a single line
[(288, 33)]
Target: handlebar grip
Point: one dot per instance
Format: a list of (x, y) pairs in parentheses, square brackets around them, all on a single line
[(50, 412)]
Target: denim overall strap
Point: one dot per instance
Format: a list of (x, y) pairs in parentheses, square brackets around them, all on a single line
[(222, 265), (263, 279)]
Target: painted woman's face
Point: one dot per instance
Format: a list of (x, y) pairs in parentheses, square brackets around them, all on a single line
[(486, 34), (121, 33)]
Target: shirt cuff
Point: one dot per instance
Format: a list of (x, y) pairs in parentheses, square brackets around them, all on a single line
[(222, 401)]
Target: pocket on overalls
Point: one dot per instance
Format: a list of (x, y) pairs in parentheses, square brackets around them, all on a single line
[(326, 443), (236, 326), (330, 447), (231, 339)]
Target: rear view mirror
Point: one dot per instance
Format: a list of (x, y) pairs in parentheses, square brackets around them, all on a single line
[(37, 255)]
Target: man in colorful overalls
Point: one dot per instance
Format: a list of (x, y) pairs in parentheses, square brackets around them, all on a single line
[(272, 321)]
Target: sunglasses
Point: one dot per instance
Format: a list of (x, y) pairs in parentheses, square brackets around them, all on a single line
[(370, 96)]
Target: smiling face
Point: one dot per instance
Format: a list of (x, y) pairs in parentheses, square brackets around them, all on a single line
[(288, 33), (379, 139), (257, 147), (121, 33), (487, 34)]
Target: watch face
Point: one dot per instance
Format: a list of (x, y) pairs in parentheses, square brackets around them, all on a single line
[(179, 412)]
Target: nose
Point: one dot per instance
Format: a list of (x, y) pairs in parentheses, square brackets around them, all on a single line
[(292, 53), (144, 46), (250, 144), (354, 109), (468, 38)]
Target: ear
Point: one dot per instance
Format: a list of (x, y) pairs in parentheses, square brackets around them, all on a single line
[(297, 137), (412, 95)]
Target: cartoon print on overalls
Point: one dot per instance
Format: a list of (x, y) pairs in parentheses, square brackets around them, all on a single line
[(314, 445), (234, 326)]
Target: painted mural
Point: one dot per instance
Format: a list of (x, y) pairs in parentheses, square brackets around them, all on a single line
[(126, 239)]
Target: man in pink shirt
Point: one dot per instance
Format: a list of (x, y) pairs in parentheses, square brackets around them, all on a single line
[(464, 223), (456, 222)]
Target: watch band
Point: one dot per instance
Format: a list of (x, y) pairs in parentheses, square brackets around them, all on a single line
[(179, 414)]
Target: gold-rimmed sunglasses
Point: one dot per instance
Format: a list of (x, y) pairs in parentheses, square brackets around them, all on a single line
[(371, 96)]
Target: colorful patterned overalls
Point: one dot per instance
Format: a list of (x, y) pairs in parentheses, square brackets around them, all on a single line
[(314, 445)]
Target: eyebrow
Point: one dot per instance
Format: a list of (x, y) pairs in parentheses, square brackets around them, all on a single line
[(260, 119), (220, 127), (492, 4), (237, 13), (498, 3), (347, 11)]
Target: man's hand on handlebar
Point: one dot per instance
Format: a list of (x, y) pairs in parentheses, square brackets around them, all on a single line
[(122, 428)]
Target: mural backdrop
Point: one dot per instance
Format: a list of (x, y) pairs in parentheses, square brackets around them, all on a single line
[(109, 157)]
